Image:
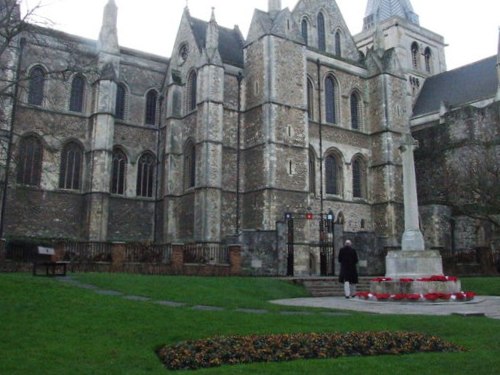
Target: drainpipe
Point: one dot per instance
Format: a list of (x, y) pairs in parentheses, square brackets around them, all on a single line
[(22, 43), (238, 156)]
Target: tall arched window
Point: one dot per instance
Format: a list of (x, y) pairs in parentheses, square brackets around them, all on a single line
[(145, 175), (310, 100), (29, 163), (121, 101), (36, 85), (312, 171), (355, 111), (333, 175), (338, 44), (71, 167), (119, 172), (189, 165), (305, 31), (77, 94), (414, 55), (151, 102), (192, 87), (331, 100), (358, 178), (428, 60), (321, 32)]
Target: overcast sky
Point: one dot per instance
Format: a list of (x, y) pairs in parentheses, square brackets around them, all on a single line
[(470, 28)]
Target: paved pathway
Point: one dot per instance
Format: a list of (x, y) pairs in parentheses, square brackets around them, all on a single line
[(480, 306)]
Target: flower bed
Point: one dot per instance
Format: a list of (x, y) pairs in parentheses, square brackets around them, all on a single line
[(461, 296), (239, 350)]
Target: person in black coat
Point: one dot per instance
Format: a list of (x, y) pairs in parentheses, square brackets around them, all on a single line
[(348, 259)]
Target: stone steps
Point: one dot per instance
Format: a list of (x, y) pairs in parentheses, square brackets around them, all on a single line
[(330, 287)]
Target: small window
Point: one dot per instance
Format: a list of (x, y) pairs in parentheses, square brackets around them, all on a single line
[(312, 171), (119, 172), (145, 175), (321, 32), (121, 98), (310, 100), (305, 31), (355, 112), (192, 87), (428, 60), (331, 100), (358, 179), (36, 86), (71, 167), (333, 175), (29, 163), (151, 102), (77, 94), (414, 55), (189, 165), (338, 44)]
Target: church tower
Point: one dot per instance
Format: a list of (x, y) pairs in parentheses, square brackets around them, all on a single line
[(393, 24)]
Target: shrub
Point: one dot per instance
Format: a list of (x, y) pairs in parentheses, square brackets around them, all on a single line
[(273, 348)]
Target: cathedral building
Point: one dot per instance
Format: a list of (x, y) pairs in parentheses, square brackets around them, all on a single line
[(280, 140)]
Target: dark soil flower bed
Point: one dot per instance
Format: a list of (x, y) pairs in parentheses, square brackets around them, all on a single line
[(240, 350)]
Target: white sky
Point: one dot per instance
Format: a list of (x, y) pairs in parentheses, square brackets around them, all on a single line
[(471, 28)]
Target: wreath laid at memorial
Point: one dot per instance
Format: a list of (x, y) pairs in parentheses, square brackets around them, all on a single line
[(235, 350)]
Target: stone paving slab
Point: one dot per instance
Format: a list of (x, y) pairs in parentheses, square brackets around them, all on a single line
[(207, 308), (252, 311), (137, 298), (488, 306), (170, 303)]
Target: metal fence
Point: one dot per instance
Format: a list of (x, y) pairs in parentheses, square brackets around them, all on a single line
[(206, 254), (142, 253), (87, 252)]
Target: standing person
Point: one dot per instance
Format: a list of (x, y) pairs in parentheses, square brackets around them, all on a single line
[(348, 259)]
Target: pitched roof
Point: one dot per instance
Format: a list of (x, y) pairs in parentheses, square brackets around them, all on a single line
[(230, 41), (470, 83)]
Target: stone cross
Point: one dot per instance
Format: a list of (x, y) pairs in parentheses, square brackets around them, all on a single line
[(412, 236)]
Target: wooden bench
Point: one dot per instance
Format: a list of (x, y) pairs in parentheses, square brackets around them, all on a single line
[(45, 260)]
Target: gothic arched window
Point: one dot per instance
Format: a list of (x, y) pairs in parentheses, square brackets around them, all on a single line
[(333, 175), (414, 55), (36, 85), (312, 171), (305, 31), (189, 165), (145, 175), (331, 100), (358, 178), (71, 167), (192, 87), (321, 32), (355, 111), (119, 172), (29, 163), (428, 60), (151, 102), (310, 100), (77, 94), (338, 44), (121, 101)]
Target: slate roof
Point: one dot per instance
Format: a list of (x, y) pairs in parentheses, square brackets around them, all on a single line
[(230, 41), (470, 83)]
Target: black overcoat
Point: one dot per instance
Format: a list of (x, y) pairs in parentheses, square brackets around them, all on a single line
[(348, 258)]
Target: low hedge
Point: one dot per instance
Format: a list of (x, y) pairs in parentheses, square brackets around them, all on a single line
[(220, 351)]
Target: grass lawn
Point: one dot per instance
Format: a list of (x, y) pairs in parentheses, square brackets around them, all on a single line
[(48, 327)]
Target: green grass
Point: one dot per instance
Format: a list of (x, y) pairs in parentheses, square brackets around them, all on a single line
[(48, 327), (486, 286)]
